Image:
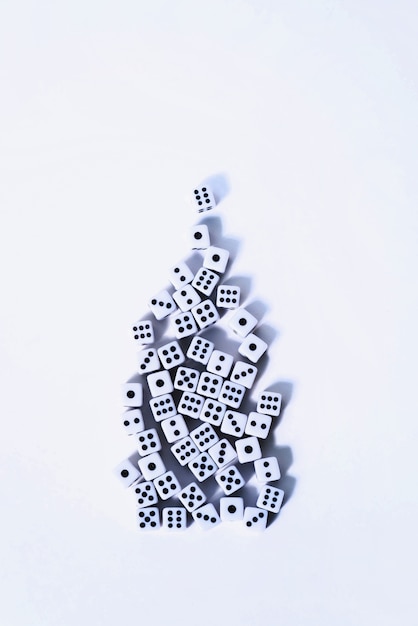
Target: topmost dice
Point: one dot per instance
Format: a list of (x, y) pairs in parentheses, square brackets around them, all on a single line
[(162, 304), (181, 275), (203, 198)]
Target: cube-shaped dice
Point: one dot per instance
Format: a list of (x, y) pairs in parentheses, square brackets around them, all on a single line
[(216, 259), (207, 516), (255, 518), (190, 404), (185, 451), (204, 436), (258, 425), (244, 374), (220, 363), (163, 407), (205, 314), (167, 485), (269, 402), (174, 428), (227, 296), (203, 198), (148, 441), (192, 497), (151, 466), (253, 348), (143, 332), (174, 518), (145, 494), (186, 379), (160, 383), (148, 361), (133, 422), (186, 297), (200, 350), (248, 449), (209, 385), (267, 469), (180, 275), (230, 480), (202, 466), (171, 354), (232, 394), (222, 453), (200, 237), (270, 499), (127, 473), (132, 394), (213, 412), (205, 281), (231, 509), (184, 325), (242, 322), (162, 304), (149, 518), (234, 423)]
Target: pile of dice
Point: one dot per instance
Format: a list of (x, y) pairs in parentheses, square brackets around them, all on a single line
[(182, 407)]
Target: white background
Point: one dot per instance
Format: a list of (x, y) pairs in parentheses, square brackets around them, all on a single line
[(306, 115)]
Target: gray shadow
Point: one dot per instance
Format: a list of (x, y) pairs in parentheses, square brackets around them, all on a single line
[(220, 185)]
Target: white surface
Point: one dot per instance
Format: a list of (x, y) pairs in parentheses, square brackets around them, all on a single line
[(110, 114)]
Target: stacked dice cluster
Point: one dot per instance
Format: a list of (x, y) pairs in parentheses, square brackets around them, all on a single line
[(191, 416)]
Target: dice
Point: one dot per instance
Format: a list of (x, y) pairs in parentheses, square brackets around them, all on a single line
[(232, 394), (269, 403), (190, 404), (184, 325), (133, 422), (149, 518), (148, 441), (143, 332), (205, 281), (162, 305), (230, 480), (127, 473), (145, 494), (185, 451), (163, 407), (231, 509), (174, 428), (167, 485), (248, 449), (209, 385), (227, 296), (255, 518), (216, 259), (234, 423), (171, 355), (242, 322), (253, 348), (267, 469), (205, 314), (204, 436), (200, 237), (258, 425), (151, 466), (207, 516), (160, 383), (186, 379), (192, 497), (148, 361), (132, 394), (212, 412), (244, 374), (200, 350), (270, 498), (186, 298), (203, 198), (174, 518), (222, 453), (220, 363), (202, 466), (180, 275)]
